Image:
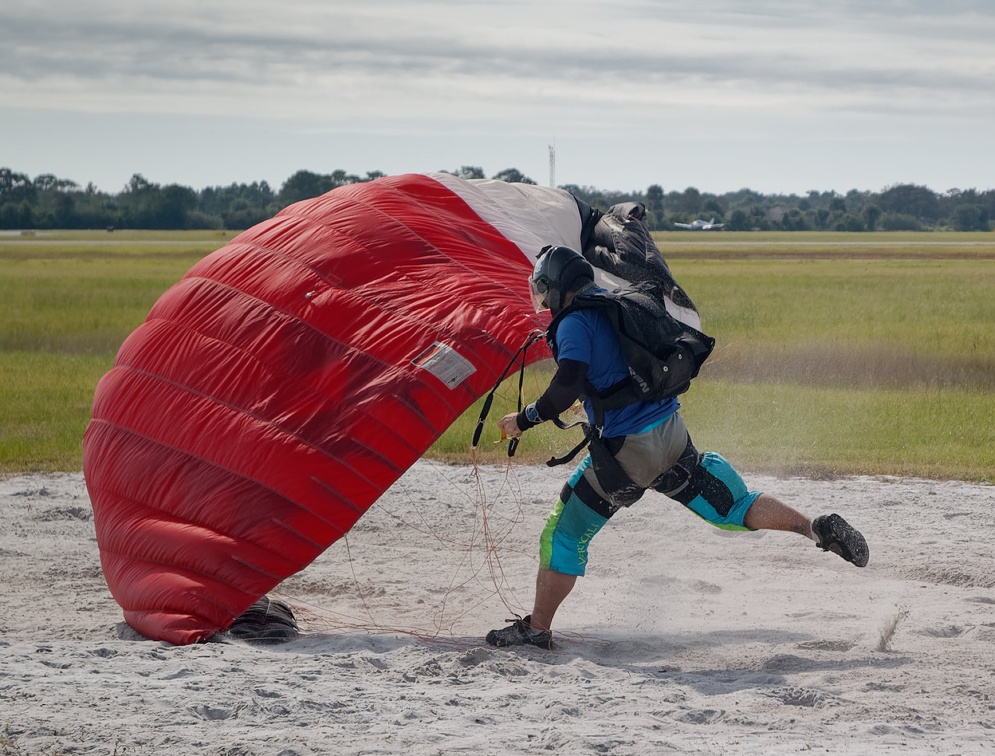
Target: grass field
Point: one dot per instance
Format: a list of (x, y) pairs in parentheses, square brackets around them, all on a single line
[(837, 353)]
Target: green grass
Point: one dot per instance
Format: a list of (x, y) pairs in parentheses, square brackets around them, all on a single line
[(884, 323), (837, 353), (821, 244), (815, 430), (45, 403), (80, 306), (67, 302)]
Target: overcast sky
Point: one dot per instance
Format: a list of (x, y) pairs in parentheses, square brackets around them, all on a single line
[(774, 95)]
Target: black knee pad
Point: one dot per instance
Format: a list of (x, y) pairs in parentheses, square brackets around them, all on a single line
[(589, 497), (687, 480)]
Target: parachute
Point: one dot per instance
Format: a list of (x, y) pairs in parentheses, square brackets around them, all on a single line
[(289, 378)]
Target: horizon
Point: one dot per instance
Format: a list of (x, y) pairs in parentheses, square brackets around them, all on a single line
[(275, 187)]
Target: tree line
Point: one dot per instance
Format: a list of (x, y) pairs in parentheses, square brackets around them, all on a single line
[(49, 202)]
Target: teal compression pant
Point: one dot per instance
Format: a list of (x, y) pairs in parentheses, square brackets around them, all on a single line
[(570, 527)]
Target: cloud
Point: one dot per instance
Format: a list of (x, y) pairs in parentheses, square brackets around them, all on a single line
[(658, 71), (447, 52)]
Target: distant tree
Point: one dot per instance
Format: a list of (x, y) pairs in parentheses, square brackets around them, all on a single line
[(971, 218), (872, 215), (794, 220), (739, 220), (241, 213), (301, 186), (987, 201), (688, 202), (743, 198), (15, 187), (470, 172), (759, 218), (909, 199), (513, 176), (172, 205), (21, 215), (337, 178), (851, 223), (654, 205), (856, 201), (835, 222), (139, 202), (46, 182), (712, 208), (64, 215), (138, 184), (654, 199)]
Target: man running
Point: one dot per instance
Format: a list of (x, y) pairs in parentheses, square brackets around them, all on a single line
[(652, 449)]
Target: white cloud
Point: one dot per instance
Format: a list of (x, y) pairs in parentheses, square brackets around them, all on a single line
[(673, 76)]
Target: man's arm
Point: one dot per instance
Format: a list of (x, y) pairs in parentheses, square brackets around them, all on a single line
[(564, 389)]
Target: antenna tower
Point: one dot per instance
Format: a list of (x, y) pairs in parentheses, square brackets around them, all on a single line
[(552, 166)]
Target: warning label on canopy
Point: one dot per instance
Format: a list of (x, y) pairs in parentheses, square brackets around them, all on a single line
[(446, 364)]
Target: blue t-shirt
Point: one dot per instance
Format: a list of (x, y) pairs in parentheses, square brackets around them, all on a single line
[(588, 336)]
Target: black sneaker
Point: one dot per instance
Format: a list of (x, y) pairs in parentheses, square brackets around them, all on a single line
[(833, 533), (520, 633)]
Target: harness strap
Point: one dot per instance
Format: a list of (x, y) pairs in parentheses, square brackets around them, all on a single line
[(554, 461), (532, 338)]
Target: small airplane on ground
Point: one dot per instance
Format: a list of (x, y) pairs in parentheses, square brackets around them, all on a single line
[(700, 225)]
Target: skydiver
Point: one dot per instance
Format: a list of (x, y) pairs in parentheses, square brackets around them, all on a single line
[(651, 445)]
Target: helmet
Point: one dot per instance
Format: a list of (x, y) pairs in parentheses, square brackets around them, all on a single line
[(557, 271)]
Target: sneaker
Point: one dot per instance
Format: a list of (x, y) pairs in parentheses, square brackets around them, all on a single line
[(835, 534), (520, 633)]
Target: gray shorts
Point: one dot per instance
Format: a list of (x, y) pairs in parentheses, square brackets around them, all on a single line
[(643, 457), (664, 459)]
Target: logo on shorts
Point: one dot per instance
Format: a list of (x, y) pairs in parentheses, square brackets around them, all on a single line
[(582, 544)]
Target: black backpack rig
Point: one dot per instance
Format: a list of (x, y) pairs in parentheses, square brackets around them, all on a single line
[(663, 354)]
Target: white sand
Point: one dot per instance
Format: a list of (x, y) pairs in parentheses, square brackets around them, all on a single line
[(679, 640)]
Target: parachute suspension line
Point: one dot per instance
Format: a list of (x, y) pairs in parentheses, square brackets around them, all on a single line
[(473, 557), (494, 537), (520, 355)]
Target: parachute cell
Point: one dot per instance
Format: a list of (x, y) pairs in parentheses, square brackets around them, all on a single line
[(289, 378)]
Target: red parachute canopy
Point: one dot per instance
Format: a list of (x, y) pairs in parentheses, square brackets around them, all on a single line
[(277, 390)]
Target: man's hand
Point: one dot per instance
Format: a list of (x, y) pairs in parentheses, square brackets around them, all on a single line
[(509, 426)]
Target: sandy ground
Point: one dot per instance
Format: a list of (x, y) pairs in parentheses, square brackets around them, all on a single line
[(679, 640)]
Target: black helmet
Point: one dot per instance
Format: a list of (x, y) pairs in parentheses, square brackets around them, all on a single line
[(557, 271)]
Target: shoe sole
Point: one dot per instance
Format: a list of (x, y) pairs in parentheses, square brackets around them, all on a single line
[(841, 538)]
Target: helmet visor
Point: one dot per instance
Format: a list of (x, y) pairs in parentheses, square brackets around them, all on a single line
[(539, 289)]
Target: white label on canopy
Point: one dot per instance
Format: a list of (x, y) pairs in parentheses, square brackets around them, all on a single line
[(446, 364)]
